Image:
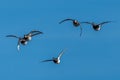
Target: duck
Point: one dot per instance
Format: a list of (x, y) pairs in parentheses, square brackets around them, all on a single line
[(56, 60), (97, 27), (75, 23), (27, 37)]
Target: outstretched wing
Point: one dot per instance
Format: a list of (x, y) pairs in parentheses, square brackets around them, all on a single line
[(12, 36), (61, 53), (34, 32), (88, 23), (47, 60), (104, 22), (66, 20), (37, 33)]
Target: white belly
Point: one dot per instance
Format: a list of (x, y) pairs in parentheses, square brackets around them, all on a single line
[(98, 29), (58, 61), (29, 38)]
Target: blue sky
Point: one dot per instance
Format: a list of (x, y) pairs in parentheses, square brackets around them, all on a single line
[(94, 56)]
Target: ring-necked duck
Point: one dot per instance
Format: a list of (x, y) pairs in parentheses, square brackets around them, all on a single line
[(97, 27), (56, 60), (24, 40), (75, 22)]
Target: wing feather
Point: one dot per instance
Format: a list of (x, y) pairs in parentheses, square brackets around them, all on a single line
[(66, 20)]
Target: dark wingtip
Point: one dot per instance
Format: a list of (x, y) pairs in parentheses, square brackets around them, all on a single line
[(108, 21), (36, 31), (8, 35), (60, 22)]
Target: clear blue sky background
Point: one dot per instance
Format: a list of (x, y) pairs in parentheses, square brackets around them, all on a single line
[(94, 56)]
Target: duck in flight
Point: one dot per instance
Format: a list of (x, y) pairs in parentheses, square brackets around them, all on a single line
[(27, 37), (97, 27), (56, 60), (75, 23)]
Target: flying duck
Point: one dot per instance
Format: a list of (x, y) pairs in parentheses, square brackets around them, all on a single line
[(56, 60), (97, 27), (27, 37), (75, 23)]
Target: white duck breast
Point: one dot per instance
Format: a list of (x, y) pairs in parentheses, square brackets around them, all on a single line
[(24, 42), (57, 61), (97, 27), (29, 38)]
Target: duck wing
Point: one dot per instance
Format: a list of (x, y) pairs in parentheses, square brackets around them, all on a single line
[(47, 60), (34, 32), (61, 53), (12, 36), (66, 20), (104, 22), (88, 23)]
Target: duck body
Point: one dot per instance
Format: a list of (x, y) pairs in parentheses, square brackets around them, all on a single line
[(76, 23), (23, 42), (56, 60), (28, 37), (96, 27)]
